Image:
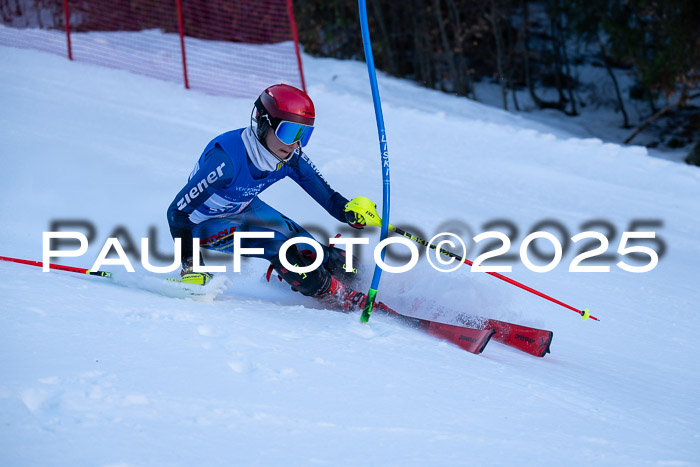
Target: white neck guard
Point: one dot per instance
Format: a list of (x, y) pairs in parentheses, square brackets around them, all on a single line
[(262, 158)]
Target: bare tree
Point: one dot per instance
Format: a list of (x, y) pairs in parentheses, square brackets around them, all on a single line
[(493, 18), (542, 104), (566, 68), (387, 47), (463, 86), (608, 68), (447, 49), (683, 99), (423, 50)]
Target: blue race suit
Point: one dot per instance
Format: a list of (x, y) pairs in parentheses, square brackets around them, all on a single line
[(221, 197)]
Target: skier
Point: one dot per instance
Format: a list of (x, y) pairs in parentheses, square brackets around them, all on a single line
[(221, 197)]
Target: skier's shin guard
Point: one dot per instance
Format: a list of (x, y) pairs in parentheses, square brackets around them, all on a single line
[(336, 266), (310, 283)]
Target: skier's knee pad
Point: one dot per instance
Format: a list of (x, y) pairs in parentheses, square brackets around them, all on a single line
[(334, 262), (310, 283), (336, 266)]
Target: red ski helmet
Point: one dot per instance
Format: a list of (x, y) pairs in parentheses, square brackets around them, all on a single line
[(286, 104)]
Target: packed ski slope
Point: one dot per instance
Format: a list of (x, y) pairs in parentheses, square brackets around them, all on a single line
[(95, 373)]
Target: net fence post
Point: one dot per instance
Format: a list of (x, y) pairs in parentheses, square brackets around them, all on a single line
[(181, 30), (295, 37), (66, 13)]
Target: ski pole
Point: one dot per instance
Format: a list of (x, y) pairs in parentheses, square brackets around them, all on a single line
[(57, 266), (366, 208), (585, 314)]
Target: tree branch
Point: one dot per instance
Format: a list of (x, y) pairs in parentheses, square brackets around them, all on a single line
[(681, 99)]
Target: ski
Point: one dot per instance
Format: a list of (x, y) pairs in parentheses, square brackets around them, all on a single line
[(529, 340), (526, 339), (470, 339)]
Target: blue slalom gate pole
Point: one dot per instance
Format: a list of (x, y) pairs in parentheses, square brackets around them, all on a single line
[(384, 152)]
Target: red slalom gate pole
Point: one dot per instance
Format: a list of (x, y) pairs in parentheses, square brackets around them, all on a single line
[(56, 266)]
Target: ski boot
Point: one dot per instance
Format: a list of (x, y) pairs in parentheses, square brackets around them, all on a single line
[(188, 276), (342, 297), (348, 300)]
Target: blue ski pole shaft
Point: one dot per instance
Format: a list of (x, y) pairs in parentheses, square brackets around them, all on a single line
[(369, 58)]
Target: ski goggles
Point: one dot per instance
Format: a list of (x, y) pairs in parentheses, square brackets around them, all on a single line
[(291, 132)]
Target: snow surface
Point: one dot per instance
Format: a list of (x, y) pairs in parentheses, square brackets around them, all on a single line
[(94, 373)]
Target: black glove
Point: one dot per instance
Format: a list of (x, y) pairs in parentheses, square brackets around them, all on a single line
[(355, 220)]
